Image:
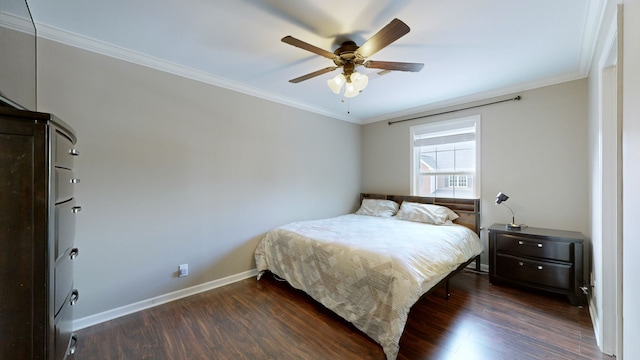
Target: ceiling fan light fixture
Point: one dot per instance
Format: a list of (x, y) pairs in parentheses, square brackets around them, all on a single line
[(350, 90), (359, 81), (336, 83)]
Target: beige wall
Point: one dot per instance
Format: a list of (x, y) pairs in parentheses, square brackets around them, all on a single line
[(175, 171), (534, 150), (18, 67)]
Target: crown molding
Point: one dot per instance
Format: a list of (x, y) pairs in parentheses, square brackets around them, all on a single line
[(480, 96), (15, 22), (594, 14), (591, 28), (99, 47)]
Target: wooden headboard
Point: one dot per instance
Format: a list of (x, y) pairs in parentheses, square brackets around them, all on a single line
[(467, 209)]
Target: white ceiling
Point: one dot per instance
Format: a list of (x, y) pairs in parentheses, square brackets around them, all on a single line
[(471, 49)]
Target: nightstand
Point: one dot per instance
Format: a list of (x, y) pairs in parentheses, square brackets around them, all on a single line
[(544, 259)]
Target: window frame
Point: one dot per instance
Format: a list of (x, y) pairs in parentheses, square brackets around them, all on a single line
[(436, 127)]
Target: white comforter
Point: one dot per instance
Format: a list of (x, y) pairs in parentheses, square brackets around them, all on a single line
[(369, 270)]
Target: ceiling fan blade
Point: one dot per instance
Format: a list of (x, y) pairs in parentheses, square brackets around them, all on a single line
[(395, 66), (313, 74), (306, 46), (388, 34)]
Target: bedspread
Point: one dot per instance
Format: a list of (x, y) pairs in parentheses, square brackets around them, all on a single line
[(368, 270)]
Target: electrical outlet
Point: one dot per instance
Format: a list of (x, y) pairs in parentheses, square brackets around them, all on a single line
[(183, 270)]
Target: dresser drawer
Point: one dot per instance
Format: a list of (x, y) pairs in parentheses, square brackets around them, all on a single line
[(63, 275), (532, 247), (64, 151), (548, 274), (64, 184), (65, 226), (65, 344)]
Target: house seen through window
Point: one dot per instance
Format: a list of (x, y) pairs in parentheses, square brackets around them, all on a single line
[(445, 158)]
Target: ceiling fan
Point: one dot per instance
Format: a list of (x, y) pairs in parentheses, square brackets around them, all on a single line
[(349, 56)]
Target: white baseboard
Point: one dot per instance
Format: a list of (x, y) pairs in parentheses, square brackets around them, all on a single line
[(104, 316), (593, 312), (158, 300)]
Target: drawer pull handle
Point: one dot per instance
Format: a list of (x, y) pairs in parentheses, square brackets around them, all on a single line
[(73, 345), (74, 152), (74, 297), (520, 242), (76, 209), (74, 253), (539, 267), (74, 181), (520, 263)]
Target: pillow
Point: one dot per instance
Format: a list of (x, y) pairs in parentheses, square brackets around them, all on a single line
[(426, 213), (378, 207)]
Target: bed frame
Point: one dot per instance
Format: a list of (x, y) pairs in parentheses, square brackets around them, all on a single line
[(467, 209)]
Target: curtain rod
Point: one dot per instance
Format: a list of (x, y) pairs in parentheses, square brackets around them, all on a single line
[(450, 111)]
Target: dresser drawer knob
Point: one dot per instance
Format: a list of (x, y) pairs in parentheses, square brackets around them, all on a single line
[(73, 345), (539, 267), (520, 263), (74, 297), (539, 245), (76, 209), (74, 253), (74, 181), (74, 152)]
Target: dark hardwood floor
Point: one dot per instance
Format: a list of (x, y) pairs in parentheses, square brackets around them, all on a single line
[(268, 319)]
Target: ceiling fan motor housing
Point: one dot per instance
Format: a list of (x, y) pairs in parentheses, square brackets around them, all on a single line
[(347, 58)]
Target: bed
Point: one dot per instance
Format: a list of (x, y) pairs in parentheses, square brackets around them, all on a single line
[(371, 266)]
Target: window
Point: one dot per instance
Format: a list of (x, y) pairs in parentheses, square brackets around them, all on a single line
[(445, 158)]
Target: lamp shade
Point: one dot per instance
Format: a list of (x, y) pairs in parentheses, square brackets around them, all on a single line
[(359, 81), (335, 83), (350, 90), (501, 197)]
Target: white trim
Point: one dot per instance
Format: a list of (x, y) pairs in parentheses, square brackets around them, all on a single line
[(82, 42), (609, 207), (483, 95), (159, 300), (595, 323), (595, 15), (17, 23), (100, 47)]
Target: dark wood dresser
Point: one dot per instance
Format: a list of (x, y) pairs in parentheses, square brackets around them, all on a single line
[(550, 260), (37, 230)]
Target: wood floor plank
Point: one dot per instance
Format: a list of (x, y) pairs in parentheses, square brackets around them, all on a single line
[(267, 319)]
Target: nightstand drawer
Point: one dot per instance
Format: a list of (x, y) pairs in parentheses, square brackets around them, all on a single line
[(531, 247), (551, 274)]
